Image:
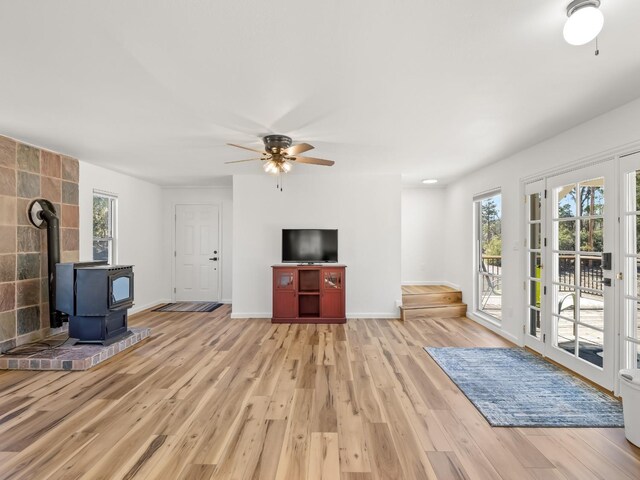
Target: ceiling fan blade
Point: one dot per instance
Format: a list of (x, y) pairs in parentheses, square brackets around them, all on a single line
[(300, 148), (314, 161), (247, 160), (246, 148)]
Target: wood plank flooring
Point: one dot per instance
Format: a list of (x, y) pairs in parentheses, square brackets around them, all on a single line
[(210, 397)]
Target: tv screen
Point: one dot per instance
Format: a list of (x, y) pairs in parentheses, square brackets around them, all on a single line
[(309, 246)]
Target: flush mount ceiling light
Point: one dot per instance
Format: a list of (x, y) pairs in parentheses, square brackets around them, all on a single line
[(430, 181), (584, 23)]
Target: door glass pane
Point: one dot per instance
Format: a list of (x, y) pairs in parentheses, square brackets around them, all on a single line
[(534, 323), (591, 235), (535, 236), (491, 295), (591, 272), (536, 206), (567, 201), (535, 262), (566, 339), (566, 269), (534, 293), (567, 235), (566, 301), (590, 345), (592, 197), (633, 324), (591, 309), (637, 232), (635, 354)]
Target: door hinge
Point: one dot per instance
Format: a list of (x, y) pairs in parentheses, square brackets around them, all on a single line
[(524, 329), (174, 289), (544, 289), (545, 193), (544, 338), (175, 253), (524, 285), (545, 241)]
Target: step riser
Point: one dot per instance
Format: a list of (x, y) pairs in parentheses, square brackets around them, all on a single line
[(436, 312), (431, 299)]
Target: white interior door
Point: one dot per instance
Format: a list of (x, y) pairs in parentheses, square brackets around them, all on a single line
[(580, 296), (197, 253), (535, 246)]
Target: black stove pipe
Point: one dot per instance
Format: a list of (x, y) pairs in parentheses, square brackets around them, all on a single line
[(42, 214)]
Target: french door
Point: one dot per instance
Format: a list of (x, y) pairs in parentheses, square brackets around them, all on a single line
[(630, 246), (571, 226), (535, 239)]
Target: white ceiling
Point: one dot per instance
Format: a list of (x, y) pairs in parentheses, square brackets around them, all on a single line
[(423, 88)]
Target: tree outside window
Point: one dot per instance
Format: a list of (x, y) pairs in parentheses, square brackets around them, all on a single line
[(104, 227)]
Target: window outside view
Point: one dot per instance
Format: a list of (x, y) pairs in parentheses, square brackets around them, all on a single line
[(489, 231), (103, 227)]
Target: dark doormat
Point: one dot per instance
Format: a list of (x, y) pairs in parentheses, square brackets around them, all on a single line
[(188, 307)]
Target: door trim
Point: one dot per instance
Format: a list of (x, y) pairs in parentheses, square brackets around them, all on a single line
[(174, 214)]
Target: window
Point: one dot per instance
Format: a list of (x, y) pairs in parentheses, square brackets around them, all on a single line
[(488, 236), (104, 226)]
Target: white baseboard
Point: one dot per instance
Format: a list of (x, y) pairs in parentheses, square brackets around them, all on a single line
[(493, 327), (373, 315), (139, 308), (432, 282), (250, 315), (225, 301), (349, 315)]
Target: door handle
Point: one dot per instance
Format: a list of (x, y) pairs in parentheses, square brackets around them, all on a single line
[(215, 259)]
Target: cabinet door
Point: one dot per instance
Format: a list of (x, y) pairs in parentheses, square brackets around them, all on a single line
[(332, 297), (284, 294)]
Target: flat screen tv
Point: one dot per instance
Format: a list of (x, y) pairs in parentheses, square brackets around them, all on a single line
[(309, 246)]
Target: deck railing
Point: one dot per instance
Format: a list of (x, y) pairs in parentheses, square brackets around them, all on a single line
[(590, 271)]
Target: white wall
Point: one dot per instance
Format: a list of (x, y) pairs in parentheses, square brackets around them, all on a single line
[(598, 137), (423, 245), (139, 228), (220, 196), (364, 208)]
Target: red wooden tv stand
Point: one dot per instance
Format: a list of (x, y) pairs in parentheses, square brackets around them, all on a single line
[(308, 294)]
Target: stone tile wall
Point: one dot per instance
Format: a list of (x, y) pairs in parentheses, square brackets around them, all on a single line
[(26, 173)]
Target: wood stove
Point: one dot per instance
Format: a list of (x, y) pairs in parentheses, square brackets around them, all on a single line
[(97, 297)]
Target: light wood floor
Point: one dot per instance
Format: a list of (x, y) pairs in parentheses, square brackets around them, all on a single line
[(211, 397)]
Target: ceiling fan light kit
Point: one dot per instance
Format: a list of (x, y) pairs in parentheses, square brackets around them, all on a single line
[(584, 22), (279, 154)]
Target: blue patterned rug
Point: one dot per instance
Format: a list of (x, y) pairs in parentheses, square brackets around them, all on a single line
[(514, 388)]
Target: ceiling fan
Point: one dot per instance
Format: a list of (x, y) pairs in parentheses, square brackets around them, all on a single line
[(279, 153)]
